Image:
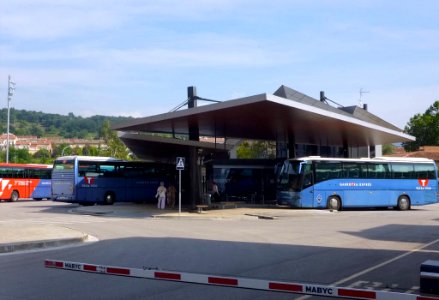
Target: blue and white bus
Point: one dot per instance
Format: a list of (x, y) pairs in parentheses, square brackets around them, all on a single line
[(88, 180), (333, 183)]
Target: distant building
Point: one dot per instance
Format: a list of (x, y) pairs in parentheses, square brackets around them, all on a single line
[(4, 140), (77, 143), (34, 144)]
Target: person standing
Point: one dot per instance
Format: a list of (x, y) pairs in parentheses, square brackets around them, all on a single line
[(170, 196), (215, 196), (161, 195)]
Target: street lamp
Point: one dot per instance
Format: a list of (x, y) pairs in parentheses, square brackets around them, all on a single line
[(11, 89), (62, 152)]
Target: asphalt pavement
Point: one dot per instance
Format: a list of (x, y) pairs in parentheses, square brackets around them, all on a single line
[(15, 238)]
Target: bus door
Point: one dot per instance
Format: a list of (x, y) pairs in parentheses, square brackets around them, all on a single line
[(37, 183), (29, 184), (307, 194), (21, 183)]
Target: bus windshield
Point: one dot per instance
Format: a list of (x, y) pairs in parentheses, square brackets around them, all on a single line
[(290, 176), (63, 164)]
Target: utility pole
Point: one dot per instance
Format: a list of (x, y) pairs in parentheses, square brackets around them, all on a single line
[(11, 89)]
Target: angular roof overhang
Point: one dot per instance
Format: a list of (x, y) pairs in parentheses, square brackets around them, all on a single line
[(157, 148), (266, 117)]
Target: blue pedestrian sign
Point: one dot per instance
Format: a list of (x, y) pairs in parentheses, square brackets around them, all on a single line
[(180, 163)]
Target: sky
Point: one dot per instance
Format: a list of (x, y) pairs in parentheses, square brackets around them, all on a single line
[(137, 57)]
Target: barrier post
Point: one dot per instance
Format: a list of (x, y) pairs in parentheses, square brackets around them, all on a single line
[(429, 277)]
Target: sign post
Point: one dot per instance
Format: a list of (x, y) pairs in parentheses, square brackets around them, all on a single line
[(179, 166)]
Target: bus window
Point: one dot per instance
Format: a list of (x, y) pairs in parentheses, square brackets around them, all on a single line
[(327, 170), (5, 173), (308, 179), (425, 171), (66, 164), (351, 170), (11, 173), (107, 170), (39, 173), (403, 171), (377, 171), (86, 168), (363, 171), (289, 175), (133, 172)]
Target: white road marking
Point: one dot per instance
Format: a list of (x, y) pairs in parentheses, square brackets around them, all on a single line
[(373, 268)]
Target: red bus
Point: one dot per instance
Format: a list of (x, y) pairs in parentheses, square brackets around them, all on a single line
[(25, 181)]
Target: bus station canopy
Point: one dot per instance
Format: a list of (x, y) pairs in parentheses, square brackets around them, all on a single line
[(156, 148), (267, 117)]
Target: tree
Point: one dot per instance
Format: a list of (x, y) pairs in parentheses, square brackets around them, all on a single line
[(19, 156), (42, 124), (61, 150), (43, 156), (254, 149), (116, 148), (388, 149), (424, 127)]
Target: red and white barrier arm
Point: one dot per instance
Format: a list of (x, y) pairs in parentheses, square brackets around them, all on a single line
[(236, 282)]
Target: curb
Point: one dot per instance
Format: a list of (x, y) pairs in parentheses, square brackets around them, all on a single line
[(203, 216), (263, 217), (34, 245)]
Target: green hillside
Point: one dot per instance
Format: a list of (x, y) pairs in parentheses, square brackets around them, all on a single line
[(41, 124)]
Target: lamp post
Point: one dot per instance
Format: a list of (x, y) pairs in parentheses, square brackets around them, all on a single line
[(11, 89), (62, 152)]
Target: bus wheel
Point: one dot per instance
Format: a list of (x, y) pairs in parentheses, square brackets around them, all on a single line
[(109, 198), (14, 196), (403, 203), (334, 203)]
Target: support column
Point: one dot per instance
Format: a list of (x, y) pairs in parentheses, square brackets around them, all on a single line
[(291, 145), (194, 176), (345, 150), (285, 145), (194, 135)]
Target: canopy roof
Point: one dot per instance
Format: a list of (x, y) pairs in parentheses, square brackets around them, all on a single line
[(268, 116), (163, 149)]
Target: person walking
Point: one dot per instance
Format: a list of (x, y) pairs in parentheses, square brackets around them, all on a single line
[(161, 196)]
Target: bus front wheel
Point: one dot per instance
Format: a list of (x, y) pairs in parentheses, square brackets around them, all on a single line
[(109, 198), (14, 196), (403, 203), (334, 203)]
